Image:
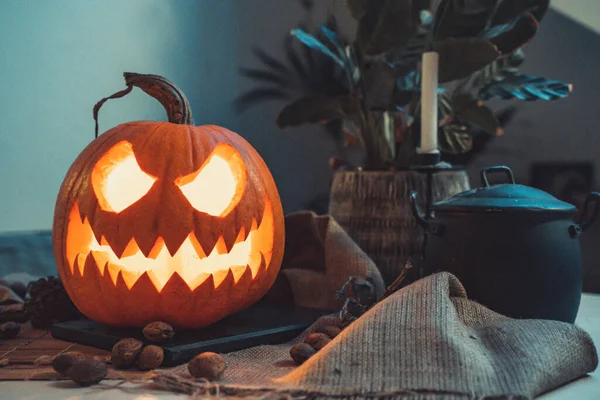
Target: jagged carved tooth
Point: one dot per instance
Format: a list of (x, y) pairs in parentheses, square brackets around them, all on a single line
[(223, 277), (194, 282), (131, 249), (75, 265), (239, 271), (262, 267), (229, 238), (101, 259), (159, 246), (130, 277), (241, 237), (149, 244), (113, 271), (260, 215), (220, 246), (197, 246), (206, 237), (159, 281), (87, 264)]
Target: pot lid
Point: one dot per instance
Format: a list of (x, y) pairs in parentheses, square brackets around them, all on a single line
[(507, 197)]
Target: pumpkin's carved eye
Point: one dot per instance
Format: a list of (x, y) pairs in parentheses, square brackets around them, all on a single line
[(118, 180), (218, 186)]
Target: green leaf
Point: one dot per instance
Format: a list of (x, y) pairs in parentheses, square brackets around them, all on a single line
[(525, 87), (316, 109), (314, 43), (387, 24), (459, 58), (470, 111), (522, 32), (454, 138)]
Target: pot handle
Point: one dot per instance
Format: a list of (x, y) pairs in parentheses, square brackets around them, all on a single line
[(586, 220), (497, 168), (430, 227)]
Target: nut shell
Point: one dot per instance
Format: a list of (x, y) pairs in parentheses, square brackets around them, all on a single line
[(9, 330), (158, 332), (207, 365), (64, 361), (151, 357), (124, 354), (330, 330), (316, 337), (87, 372), (302, 352)]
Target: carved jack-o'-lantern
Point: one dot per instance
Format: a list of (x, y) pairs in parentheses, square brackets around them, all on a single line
[(167, 221)]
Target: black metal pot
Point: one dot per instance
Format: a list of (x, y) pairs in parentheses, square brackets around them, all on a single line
[(513, 247)]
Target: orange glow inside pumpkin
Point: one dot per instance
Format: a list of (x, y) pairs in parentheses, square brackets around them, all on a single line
[(118, 180), (190, 262), (225, 174)]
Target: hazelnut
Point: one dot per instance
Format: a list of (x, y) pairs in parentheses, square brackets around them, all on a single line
[(151, 357), (4, 362), (158, 332), (64, 361), (124, 354), (87, 372), (9, 330), (301, 352), (330, 330), (207, 365)]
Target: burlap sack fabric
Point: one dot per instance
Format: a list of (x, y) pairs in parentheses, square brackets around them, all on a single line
[(425, 341)]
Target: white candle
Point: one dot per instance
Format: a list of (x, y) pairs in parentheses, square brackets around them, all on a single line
[(429, 104)]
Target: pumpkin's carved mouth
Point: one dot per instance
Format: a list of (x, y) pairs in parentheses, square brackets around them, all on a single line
[(191, 262)]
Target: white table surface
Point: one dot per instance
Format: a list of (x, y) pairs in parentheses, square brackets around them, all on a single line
[(587, 388)]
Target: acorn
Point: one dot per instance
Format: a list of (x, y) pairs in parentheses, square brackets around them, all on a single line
[(125, 353), (302, 352), (158, 332), (207, 365), (87, 372), (151, 357), (64, 361)]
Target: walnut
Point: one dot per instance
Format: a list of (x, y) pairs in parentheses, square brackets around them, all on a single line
[(151, 357), (330, 330), (317, 340), (302, 352), (158, 332), (124, 354), (87, 372), (64, 361), (207, 365)]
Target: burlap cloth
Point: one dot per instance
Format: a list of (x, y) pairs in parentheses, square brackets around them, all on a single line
[(427, 340)]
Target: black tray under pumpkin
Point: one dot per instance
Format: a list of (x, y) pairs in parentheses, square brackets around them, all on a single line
[(263, 323)]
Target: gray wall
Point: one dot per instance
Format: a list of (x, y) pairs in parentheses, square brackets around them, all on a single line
[(59, 57)]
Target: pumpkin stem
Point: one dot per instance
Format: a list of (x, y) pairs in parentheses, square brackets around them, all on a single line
[(172, 99)]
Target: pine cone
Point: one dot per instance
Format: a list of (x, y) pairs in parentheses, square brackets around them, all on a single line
[(47, 303)]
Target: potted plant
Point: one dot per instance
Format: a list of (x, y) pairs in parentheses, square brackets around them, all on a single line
[(376, 101)]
